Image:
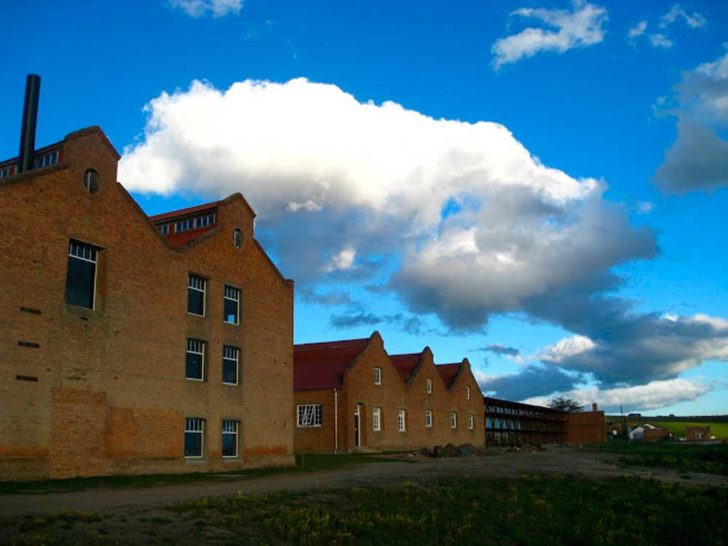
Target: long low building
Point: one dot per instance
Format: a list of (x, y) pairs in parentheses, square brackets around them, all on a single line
[(352, 395), (516, 423)]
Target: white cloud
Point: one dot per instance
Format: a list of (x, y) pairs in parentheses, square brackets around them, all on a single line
[(651, 396), (343, 260), (637, 30), (375, 178), (644, 207), (566, 348), (696, 20), (660, 40), (200, 8), (580, 27)]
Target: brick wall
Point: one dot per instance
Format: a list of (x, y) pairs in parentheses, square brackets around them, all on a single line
[(586, 427), (102, 391)]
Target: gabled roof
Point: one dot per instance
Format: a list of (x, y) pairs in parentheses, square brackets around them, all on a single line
[(321, 365), (405, 364), (185, 237), (448, 372)]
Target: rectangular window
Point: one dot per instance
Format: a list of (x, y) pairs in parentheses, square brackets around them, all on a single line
[(467, 393), (196, 287), (164, 229), (194, 437), (4, 172), (377, 419), (429, 386), (402, 420), (428, 418), (471, 421), (231, 305), (230, 358), (309, 415), (81, 274), (195, 364), (453, 420), (377, 376), (46, 160), (229, 438)]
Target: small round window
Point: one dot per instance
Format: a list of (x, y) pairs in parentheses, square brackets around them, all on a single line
[(91, 181), (237, 238)]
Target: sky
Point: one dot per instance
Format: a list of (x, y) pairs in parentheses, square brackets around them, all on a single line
[(537, 186)]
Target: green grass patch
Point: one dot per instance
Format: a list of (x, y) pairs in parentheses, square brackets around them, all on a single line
[(683, 457), (533, 510), (304, 463), (677, 428)]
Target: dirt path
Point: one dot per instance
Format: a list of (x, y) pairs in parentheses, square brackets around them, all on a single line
[(562, 460)]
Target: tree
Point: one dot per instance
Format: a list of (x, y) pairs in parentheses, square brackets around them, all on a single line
[(565, 404)]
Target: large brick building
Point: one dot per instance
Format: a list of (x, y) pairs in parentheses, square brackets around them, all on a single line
[(133, 344), (351, 395)]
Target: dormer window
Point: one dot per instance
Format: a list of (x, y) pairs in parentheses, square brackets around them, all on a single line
[(194, 223), (164, 229)]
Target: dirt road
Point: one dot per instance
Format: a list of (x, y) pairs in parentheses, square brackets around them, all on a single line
[(561, 460)]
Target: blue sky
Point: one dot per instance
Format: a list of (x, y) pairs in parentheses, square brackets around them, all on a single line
[(537, 186)]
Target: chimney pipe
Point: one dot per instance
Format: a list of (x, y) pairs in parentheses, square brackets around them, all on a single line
[(30, 119)]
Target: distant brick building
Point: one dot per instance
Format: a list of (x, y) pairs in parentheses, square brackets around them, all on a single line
[(351, 395), (697, 434), (516, 423), (134, 344)]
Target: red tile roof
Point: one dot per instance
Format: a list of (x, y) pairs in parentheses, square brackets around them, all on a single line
[(321, 365), (448, 372), (181, 239), (405, 364), (183, 212)]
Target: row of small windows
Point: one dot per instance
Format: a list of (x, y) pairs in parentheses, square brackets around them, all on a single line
[(45, 160), (196, 300), (188, 224), (311, 415), (428, 387), (195, 369), (195, 438)]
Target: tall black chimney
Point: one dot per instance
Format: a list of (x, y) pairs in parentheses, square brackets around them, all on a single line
[(30, 119)]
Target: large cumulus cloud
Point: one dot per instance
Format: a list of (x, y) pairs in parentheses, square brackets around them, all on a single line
[(458, 219)]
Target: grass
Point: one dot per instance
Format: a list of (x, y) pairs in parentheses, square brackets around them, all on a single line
[(533, 510), (677, 428), (304, 463), (685, 458)]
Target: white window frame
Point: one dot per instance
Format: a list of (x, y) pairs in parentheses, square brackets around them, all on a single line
[(402, 420), (196, 425), (87, 253), (232, 293), (428, 418), (377, 376), (467, 393), (429, 385), (309, 415), (196, 347), (453, 420), (230, 427), (377, 419), (471, 421), (231, 353), (192, 282)]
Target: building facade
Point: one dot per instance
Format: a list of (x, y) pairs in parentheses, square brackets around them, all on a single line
[(133, 344), (353, 396)]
